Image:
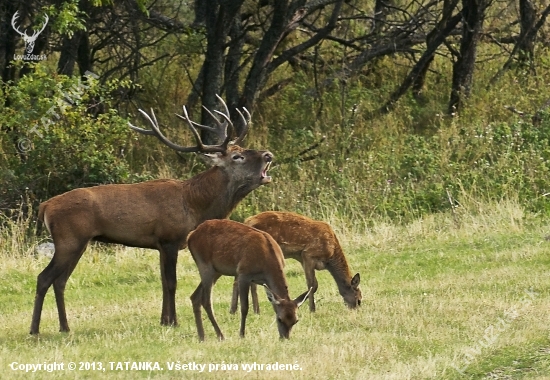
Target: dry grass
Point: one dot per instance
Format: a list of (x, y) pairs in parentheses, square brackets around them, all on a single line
[(435, 294)]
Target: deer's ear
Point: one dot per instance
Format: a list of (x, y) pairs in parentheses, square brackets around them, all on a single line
[(302, 298), (355, 281), (272, 297), (213, 159)]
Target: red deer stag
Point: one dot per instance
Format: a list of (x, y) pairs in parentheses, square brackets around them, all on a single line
[(228, 248), (157, 214), (314, 244)]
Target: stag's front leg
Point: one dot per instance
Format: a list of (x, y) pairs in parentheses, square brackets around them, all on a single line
[(168, 263)]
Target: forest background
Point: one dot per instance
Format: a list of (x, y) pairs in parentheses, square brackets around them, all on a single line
[(373, 109)]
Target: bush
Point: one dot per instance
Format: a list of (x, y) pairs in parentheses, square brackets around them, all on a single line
[(61, 133)]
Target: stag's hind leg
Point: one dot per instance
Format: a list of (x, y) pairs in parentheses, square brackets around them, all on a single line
[(168, 263), (59, 290), (57, 272)]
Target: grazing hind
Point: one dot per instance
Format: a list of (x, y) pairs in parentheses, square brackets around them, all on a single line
[(228, 248), (315, 245)]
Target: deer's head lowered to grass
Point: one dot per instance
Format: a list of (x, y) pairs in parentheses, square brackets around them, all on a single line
[(315, 245), (229, 248), (29, 40), (157, 214)]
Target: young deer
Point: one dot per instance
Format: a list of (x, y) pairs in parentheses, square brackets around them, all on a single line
[(314, 244), (227, 248)]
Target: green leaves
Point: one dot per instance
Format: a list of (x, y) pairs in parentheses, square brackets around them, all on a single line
[(61, 134)]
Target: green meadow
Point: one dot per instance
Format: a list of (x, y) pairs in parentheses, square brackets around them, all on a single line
[(456, 295)]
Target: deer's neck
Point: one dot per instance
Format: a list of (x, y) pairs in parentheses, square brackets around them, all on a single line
[(212, 195), (338, 267)]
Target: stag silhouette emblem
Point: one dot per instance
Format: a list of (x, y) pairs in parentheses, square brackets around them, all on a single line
[(29, 40)]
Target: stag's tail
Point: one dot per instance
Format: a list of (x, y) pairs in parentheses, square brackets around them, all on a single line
[(40, 221)]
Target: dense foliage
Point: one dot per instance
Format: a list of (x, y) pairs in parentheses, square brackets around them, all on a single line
[(380, 90), (56, 139)]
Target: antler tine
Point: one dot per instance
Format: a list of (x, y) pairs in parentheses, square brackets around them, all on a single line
[(246, 122), (203, 148), (221, 131), (223, 104)]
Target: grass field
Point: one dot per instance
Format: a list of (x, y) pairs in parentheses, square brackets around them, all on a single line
[(451, 296)]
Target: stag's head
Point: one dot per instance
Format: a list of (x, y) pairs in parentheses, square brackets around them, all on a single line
[(285, 310), (352, 295), (247, 168), (29, 40)]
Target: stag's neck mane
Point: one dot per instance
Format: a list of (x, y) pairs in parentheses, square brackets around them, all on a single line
[(212, 194)]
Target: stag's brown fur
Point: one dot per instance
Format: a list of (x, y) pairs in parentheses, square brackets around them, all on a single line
[(228, 248), (315, 245), (155, 214)]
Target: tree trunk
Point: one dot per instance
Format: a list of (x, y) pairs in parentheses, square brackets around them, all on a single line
[(448, 8), (218, 21), (528, 19), (7, 42), (69, 54), (473, 15)]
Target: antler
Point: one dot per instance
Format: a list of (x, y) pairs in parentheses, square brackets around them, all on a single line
[(15, 17), (220, 131)]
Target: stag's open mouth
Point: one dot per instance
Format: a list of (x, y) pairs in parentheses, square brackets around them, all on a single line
[(264, 177)]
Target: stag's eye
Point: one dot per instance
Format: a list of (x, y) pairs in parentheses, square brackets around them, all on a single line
[(237, 157)]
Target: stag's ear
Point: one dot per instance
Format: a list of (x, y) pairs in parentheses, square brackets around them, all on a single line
[(272, 297), (302, 298), (212, 159), (355, 281)]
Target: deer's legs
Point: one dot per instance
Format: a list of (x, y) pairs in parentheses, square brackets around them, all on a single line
[(207, 302), (234, 297), (59, 290), (168, 263), (255, 303), (64, 260), (244, 285), (196, 300), (311, 280), (235, 300)]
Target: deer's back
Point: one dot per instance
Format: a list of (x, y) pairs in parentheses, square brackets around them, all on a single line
[(131, 214), (232, 247), (296, 233)]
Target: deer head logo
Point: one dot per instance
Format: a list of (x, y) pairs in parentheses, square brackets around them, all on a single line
[(29, 40)]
